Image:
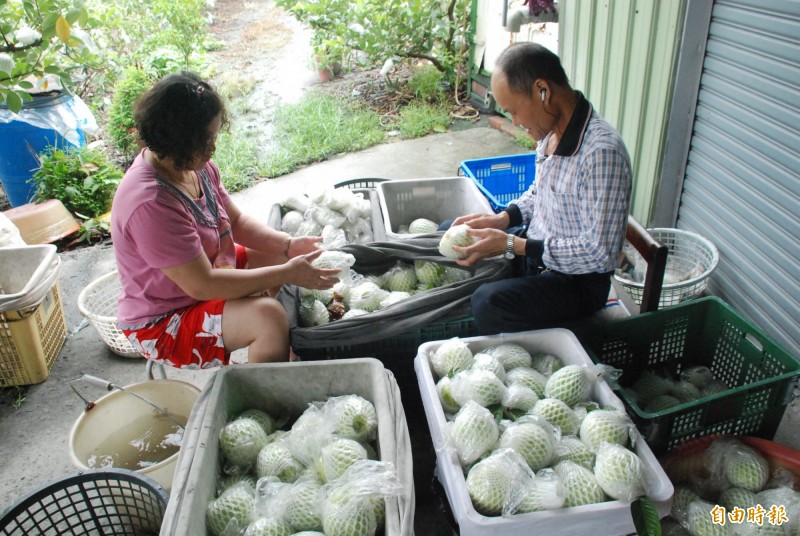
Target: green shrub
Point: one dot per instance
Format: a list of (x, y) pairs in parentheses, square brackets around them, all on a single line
[(378, 30), (121, 126), (418, 119), (81, 178)]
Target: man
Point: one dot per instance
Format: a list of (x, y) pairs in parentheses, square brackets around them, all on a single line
[(575, 211)]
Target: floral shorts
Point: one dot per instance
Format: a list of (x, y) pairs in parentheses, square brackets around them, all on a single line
[(190, 337)]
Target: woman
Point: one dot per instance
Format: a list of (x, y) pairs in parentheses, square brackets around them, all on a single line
[(178, 237)]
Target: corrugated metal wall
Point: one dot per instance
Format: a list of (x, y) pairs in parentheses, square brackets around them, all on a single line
[(742, 183), (621, 54)]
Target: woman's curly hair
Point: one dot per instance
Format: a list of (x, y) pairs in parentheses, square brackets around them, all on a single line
[(173, 117)]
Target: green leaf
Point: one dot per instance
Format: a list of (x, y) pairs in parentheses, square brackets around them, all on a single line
[(497, 411), (645, 517), (514, 414), (13, 101)]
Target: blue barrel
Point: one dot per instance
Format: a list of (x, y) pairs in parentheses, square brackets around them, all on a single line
[(20, 142)]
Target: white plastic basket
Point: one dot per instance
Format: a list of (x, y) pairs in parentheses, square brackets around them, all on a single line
[(691, 258), (98, 303)]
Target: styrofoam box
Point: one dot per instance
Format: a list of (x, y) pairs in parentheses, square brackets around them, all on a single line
[(285, 389), (445, 198), (378, 232), (607, 518)]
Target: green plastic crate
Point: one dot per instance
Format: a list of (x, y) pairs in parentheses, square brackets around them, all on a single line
[(706, 331)]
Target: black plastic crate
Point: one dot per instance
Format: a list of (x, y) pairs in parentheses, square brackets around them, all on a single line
[(102, 501)]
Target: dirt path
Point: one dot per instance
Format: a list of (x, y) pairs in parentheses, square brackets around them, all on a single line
[(266, 60)]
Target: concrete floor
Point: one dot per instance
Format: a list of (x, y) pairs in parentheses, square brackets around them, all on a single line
[(34, 438)]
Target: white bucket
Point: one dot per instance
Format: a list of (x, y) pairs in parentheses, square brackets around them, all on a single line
[(114, 414)]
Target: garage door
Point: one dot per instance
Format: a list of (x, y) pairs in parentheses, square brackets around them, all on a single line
[(742, 183)]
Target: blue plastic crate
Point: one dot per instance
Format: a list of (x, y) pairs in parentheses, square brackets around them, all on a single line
[(502, 178)]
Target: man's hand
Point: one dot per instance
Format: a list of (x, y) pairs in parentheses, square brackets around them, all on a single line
[(484, 221), (490, 242)]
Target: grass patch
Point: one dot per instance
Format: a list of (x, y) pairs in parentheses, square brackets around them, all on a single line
[(426, 83), (317, 127), (234, 84), (525, 141), (419, 119), (237, 158)]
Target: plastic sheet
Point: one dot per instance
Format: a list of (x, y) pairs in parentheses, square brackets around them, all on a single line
[(29, 273), (9, 233), (69, 120)]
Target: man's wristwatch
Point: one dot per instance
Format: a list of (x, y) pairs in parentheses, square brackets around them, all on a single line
[(509, 254)]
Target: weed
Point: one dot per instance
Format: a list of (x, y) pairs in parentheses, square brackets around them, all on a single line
[(94, 229), (426, 83), (81, 178), (524, 140), (317, 127), (15, 394), (419, 119)]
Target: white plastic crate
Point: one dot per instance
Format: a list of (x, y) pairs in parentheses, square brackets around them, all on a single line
[(607, 518), (445, 198), (285, 389), (274, 218)]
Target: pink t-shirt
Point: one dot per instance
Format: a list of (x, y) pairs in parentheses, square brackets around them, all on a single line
[(153, 226)]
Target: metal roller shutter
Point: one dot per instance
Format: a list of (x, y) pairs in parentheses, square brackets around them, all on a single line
[(742, 183)]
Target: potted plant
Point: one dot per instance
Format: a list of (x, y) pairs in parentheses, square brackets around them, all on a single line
[(328, 59)]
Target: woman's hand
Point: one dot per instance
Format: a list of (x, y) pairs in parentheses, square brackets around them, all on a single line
[(302, 245), (303, 273), (490, 242), (484, 221)]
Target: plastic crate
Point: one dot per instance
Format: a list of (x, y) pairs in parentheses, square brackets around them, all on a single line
[(366, 187), (503, 178), (30, 340), (400, 347), (708, 332), (360, 183), (610, 517), (437, 200), (101, 501), (285, 390)]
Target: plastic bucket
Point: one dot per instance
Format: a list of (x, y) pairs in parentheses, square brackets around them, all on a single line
[(117, 418), (21, 141)]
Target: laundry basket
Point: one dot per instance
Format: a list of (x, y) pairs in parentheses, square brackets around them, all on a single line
[(101, 501), (691, 259), (98, 303)]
